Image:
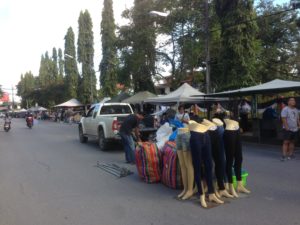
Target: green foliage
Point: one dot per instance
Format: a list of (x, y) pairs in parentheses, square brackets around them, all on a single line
[(108, 65), (137, 42), (279, 36), (87, 85), (70, 65), (239, 45), (60, 67)]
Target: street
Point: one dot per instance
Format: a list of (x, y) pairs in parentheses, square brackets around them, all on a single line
[(48, 178)]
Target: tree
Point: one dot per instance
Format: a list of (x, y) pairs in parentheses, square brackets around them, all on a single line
[(279, 36), (70, 65), (25, 87), (183, 49), (85, 42), (138, 41), (60, 67), (54, 66), (239, 46), (108, 65)]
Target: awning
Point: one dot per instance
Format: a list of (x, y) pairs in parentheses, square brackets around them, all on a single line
[(139, 97), (182, 94), (274, 86), (71, 103)]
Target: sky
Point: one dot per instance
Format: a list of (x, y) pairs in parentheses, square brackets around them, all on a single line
[(29, 28)]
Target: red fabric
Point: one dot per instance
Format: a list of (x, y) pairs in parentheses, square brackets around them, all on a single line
[(147, 158), (171, 174)]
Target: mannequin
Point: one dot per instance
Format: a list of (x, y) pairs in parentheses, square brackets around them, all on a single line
[(233, 151), (185, 161), (218, 156), (201, 153), (221, 130)]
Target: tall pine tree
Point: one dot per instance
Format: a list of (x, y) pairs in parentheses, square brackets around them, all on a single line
[(85, 45), (70, 65), (108, 70), (60, 66)]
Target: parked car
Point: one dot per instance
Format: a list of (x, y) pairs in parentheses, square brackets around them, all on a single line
[(102, 122)]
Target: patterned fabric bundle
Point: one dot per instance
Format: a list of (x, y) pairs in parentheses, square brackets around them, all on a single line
[(171, 174), (147, 157)]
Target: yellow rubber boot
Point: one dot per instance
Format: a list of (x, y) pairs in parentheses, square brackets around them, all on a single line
[(240, 188), (187, 156), (183, 173)]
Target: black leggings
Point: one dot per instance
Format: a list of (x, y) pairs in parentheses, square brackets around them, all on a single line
[(201, 153), (233, 152), (217, 154)]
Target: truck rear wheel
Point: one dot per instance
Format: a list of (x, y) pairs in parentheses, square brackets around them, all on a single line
[(82, 138), (101, 140)]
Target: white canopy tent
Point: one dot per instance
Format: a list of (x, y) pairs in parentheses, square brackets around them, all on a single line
[(182, 94), (71, 103), (37, 109)]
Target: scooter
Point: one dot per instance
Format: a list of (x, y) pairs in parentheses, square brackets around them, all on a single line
[(7, 123), (29, 121)]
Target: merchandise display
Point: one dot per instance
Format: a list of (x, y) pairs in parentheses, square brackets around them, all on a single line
[(201, 154), (171, 172), (207, 154), (234, 156), (147, 157), (217, 150)]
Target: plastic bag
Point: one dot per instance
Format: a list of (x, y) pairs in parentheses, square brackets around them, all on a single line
[(163, 134)]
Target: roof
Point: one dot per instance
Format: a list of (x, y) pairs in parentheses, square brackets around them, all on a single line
[(274, 86), (181, 94), (139, 97), (71, 103)]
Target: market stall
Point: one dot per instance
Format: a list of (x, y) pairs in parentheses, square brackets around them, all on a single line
[(258, 124)]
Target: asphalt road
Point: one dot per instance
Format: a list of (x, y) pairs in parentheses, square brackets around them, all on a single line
[(48, 178)]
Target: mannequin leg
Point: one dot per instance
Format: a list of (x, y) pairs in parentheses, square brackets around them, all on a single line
[(202, 201), (238, 167), (195, 144), (232, 191), (229, 140), (187, 156), (183, 172)]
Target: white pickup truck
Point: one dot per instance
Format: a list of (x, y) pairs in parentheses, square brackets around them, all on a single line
[(102, 122)]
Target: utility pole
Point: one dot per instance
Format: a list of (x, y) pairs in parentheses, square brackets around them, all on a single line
[(207, 40)]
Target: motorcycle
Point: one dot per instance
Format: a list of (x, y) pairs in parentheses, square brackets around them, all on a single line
[(7, 123), (29, 121)]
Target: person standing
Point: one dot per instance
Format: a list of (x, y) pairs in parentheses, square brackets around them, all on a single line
[(244, 110), (130, 125), (182, 116), (290, 121)]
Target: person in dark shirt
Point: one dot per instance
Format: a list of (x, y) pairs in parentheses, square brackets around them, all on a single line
[(129, 125)]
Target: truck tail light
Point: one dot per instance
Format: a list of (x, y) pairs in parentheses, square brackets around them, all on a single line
[(115, 125)]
